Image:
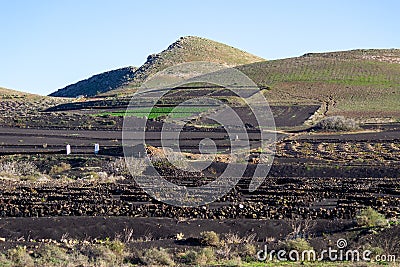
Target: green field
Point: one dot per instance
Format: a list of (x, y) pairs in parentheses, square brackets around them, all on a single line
[(156, 112)]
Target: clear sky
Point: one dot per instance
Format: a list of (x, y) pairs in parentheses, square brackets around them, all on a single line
[(46, 44)]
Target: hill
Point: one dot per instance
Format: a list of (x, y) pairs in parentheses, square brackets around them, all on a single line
[(6, 93), (356, 83), (20, 109), (99, 83), (363, 83), (186, 49)]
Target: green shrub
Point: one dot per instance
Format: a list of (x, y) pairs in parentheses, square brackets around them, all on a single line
[(375, 251), (155, 256), (52, 254), (298, 244), (101, 255), (190, 257), (234, 261), (248, 252), (4, 261), (209, 238), (115, 246), (202, 258), (20, 257), (371, 218), (205, 256)]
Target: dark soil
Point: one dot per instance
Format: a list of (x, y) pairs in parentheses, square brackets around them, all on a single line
[(157, 228)]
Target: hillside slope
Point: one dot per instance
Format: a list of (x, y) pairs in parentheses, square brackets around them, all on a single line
[(359, 83), (382, 55), (186, 49), (99, 83), (10, 93)]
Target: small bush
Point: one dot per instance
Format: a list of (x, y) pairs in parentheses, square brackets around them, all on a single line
[(225, 251), (120, 167), (4, 261), (205, 256), (298, 244), (18, 169), (101, 255), (190, 257), (62, 167), (115, 246), (248, 252), (337, 123), (235, 239), (51, 254), (20, 257), (209, 238), (116, 167), (154, 256), (375, 251), (201, 258), (234, 261), (76, 258), (371, 218)]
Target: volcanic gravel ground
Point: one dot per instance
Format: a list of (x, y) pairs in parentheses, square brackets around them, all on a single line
[(307, 196)]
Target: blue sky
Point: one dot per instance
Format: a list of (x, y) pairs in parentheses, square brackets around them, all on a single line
[(46, 45)]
